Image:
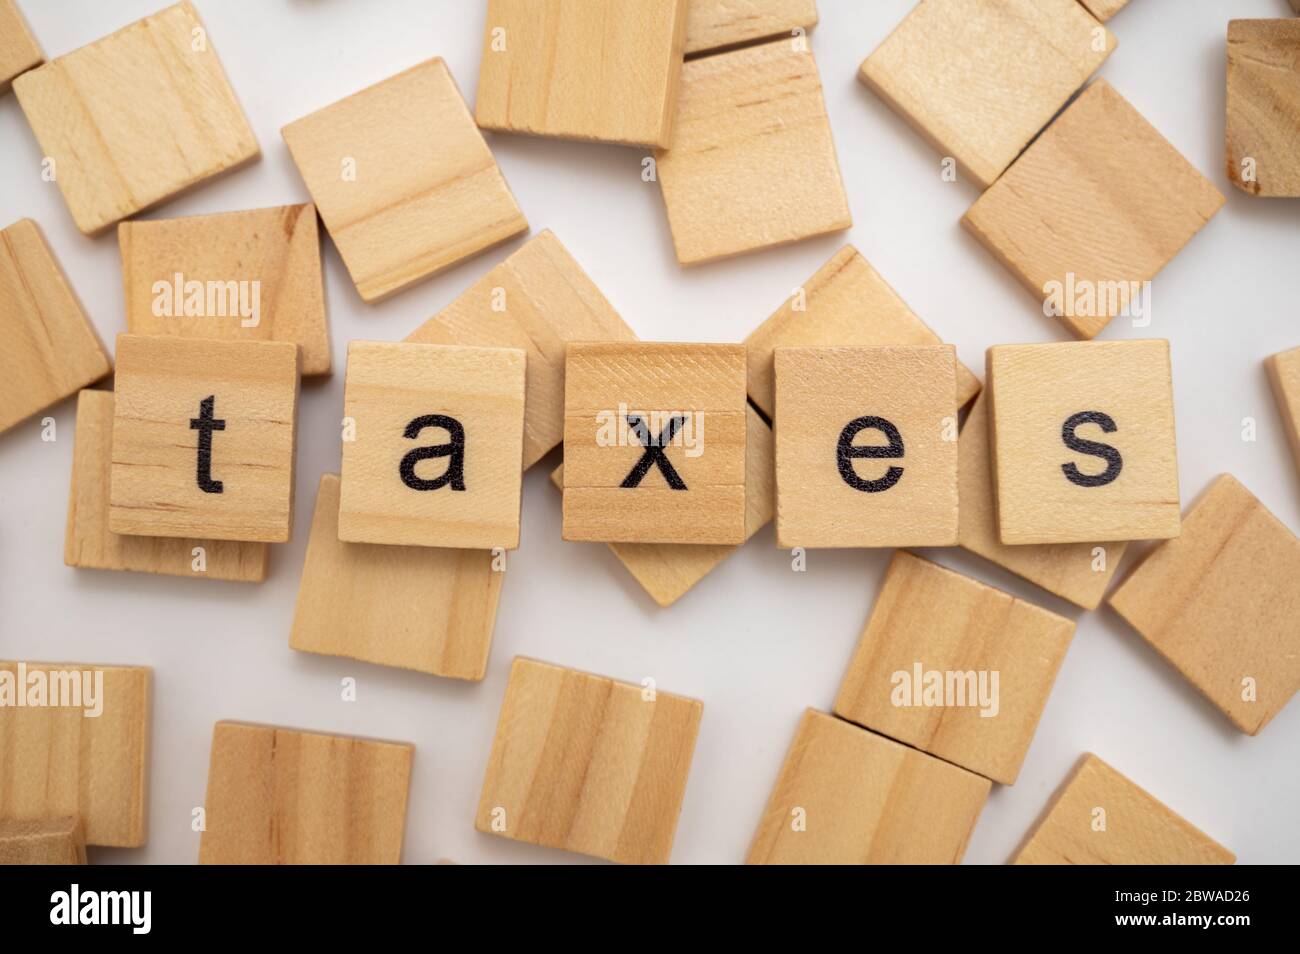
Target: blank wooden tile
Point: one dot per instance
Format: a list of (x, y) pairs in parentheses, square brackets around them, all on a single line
[(866, 447), (846, 796), (1284, 375), (19, 51), (422, 608), (713, 24), (1221, 604), (923, 672), (50, 348), (980, 78), (63, 760), (846, 304), (752, 162), (137, 117), (1099, 817), (1103, 10), (605, 70), (539, 299), (1100, 202), (625, 480), (668, 570), (1264, 106), (287, 797), (88, 542), (588, 764), (414, 406), (1083, 440), (403, 180), (1078, 572), (178, 275), (46, 841)]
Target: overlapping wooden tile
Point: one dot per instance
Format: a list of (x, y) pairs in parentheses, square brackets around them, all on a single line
[(19, 51), (1284, 375), (1103, 10), (717, 24), (1264, 106), (45, 841)]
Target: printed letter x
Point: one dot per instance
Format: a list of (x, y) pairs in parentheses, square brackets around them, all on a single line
[(654, 452)]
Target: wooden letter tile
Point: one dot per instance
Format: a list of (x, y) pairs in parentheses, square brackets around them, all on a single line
[(47, 841), (435, 460), (1083, 441), (252, 276), (284, 797), (539, 299), (136, 117), (954, 667), (50, 348), (203, 438), (1099, 817), (19, 51), (74, 740), (1284, 375), (1103, 10), (980, 78), (588, 764), (752, 163), (1221, 604), (1095, 207), (846, 796), (866, 447), (403, 179), (716, 24), (1264, 106), (605, 70), (654, 443)]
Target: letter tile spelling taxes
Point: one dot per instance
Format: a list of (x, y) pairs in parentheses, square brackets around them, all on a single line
[(1264, 106), (717, 24), (19, 51)]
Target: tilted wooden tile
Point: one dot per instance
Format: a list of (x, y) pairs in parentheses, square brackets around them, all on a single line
[(1284, 375), (588, 764), (1078, 572), (954, 667), (1095, 207), (1084, 449), (89, 544), (1221, 604), (866, 447), (846, 304), (74, 740), (979, 79), (752, 162), (137, 117), (1264, 106), (668, 570), (539, 299), (654, 443), (1099, 817), (423, 608), (50, 348), (203, 438), (605, 70), (46, 841), (848, 796), (253, 276), (286, 797), (19, 51), (411, 406), (1103, 10), (403, 180), (714, 24)]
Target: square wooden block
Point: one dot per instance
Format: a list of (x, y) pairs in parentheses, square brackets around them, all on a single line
[(588, 764), (50, 348), (539, 299), (1264, 106), (654, 443), (403, 180), (752, 162), (1092, 210), (846, 304), (250, 276), (846, 796), (423, 608), (46, 841), (1099, 817), (75, 741), (285, 797), (1078, 572), (954, 667), (203, 438), (19, 51), (433, 445), (1084, 449), (1284, 376), (604, 70), (1221, 603), (979, 79), (137, 117), (866, 447), (715, 24)]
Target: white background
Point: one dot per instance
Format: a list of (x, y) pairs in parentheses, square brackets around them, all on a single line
[(755, 641)]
